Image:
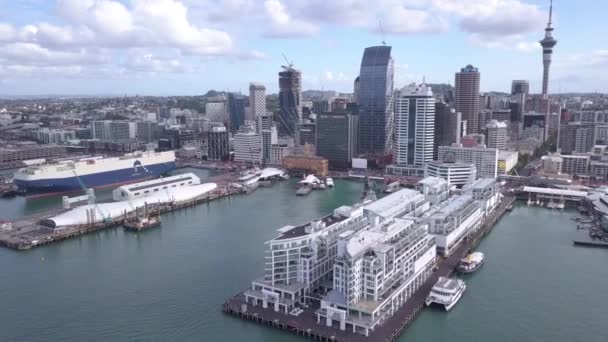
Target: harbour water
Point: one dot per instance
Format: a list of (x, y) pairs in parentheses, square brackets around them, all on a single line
[(167, 284)]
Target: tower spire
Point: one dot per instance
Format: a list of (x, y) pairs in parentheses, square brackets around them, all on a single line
[(550, 12)]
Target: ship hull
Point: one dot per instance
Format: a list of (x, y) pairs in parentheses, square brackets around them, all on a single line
[(53, 186)]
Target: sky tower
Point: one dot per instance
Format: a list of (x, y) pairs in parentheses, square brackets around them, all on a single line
[(547, 43)]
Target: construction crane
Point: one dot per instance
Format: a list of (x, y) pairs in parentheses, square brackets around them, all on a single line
[(289, 64)]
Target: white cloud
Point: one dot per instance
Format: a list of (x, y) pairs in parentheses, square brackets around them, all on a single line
[(516, 42), (283, 25)]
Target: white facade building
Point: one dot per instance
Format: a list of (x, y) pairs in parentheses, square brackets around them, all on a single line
[(414, 129), (453, 221), (456, 174), (497, 135), (434, 189), (485, 159), (247, 147), (257, 101), (146, 188)]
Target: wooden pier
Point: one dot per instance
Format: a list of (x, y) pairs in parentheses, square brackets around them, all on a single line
[(26, 233), (389, 331)]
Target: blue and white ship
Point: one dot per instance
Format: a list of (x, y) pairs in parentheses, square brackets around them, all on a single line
[(93, 172)]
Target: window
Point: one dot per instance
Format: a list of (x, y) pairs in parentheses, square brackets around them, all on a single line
[(155, 190), (136, 194)]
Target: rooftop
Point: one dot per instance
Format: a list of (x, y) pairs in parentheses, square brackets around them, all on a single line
[(484, 183), (301, 230), (453, 205), (387, 205)]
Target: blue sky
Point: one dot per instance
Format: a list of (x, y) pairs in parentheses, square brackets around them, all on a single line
[(185, 47)]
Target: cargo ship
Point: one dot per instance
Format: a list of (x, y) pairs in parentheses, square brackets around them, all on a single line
[(92, 172)]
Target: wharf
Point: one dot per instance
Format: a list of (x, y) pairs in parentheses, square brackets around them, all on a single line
[(26, 233), (306, 324), (584, 239)]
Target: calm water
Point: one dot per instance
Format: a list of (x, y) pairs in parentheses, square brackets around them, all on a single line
[(168, 284)]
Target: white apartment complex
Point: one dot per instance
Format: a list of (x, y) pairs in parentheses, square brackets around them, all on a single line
[(485, 159), (247, 147), (456, 174)]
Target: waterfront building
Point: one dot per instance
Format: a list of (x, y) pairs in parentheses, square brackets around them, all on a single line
[(318, 166), (486, 191), (375, 101), (497, 135), (290, 97), (146, 188), (434, 189), (257, 101), (454, 173), (466, 96), (300, 258), (485, 159), (337, 138), (247, 147), (454, 220), (218, 144), (378, 268), (507, 161), (414, 130)]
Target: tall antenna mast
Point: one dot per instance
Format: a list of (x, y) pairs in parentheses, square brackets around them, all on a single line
[(382, 31), (550, 11)]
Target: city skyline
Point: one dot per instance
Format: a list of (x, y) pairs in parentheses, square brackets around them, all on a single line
[(169, 47)]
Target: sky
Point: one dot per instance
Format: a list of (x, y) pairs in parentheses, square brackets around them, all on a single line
[(186, 47)]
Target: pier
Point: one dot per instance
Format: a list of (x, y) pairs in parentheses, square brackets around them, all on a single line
[(26, 233), (305, 324)]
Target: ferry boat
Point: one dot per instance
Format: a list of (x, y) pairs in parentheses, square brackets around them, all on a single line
[(92, 172), (471, 262), (142, 223), (446, 292), (329, 182)]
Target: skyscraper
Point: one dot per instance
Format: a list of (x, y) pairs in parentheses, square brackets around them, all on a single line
[(448, 125), (467, 96), (257, 100), (337, 138), (375, 99), (414, 129), (236, 109), (290, 101), (497, 135), (548, 42)]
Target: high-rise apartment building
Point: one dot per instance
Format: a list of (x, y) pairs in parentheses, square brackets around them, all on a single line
[(375, 99), (113, 130), (247, 147), (257, 101), (414, 129), (466, 96), (337, 138), (290, 101), (576, 137), (497, 134)]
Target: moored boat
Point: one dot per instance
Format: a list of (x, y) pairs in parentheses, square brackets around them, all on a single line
[(471, 262), (446, 292)]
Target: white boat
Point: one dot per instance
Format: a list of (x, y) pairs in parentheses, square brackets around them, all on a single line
[(329, 182), (446, 292), (471, 262)]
